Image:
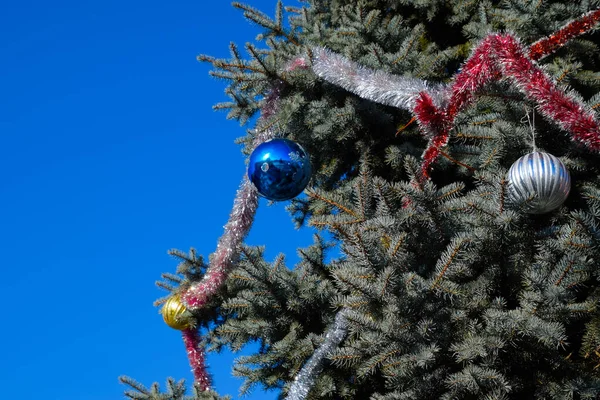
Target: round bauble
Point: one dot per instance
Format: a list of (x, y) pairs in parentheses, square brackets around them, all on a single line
[(279, 169), (175, 314), (538, 183)]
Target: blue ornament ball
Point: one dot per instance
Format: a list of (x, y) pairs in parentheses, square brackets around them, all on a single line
[(279, 169)]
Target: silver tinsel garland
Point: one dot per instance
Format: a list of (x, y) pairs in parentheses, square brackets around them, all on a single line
[(378, 86), (307, 376)]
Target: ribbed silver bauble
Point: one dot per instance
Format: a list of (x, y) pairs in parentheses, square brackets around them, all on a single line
[(538, 182)]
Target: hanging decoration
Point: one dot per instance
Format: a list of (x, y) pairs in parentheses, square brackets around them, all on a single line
[(435, 108), (538, 182), (175, 314), (236, 229), (497, 56), (279, 169)]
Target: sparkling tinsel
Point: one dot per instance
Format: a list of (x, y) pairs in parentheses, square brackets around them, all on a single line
[(503, 56), (305, 379), (196, 357), (435, 108), (496, 57), (236, 229), (378, 86)]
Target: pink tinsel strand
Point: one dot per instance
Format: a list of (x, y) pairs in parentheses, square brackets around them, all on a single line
[(236, 229), (270, 106), (502, 55), (240, 221), (297, 63), (238, 226), (196, 357)]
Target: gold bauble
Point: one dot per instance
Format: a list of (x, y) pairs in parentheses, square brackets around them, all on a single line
[(176, 314)]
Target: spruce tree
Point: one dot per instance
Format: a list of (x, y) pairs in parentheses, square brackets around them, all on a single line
[(448, 291)]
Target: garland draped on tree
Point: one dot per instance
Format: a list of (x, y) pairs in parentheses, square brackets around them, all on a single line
[(435, 108), (497, 56)]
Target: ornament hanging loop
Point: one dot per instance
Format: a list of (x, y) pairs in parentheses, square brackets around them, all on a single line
[(530, 116)]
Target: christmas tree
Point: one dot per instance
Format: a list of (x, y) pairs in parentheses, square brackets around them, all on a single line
[(436, 273)]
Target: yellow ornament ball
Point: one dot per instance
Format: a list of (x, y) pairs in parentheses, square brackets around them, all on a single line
[(175, 314)]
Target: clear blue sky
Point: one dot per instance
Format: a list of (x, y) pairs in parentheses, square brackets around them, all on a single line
[(110, 154)]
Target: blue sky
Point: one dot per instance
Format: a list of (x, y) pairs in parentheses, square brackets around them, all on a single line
[(110, 154)]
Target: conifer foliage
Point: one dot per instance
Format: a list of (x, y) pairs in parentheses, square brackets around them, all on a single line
[(449, 292)]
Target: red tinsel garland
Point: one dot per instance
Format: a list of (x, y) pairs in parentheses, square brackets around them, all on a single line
[(550, 44), (196, 356), (501, 55)]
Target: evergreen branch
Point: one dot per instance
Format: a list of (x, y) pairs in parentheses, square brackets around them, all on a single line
[(359, 192), (238, 66), (253, 52), (456, 247), (502, 194), (479, 137), (477, 208), (565, 272), (490, 158), (379, 184), (278, 262), (408, 44), (315, 195), (451, 193), (452, 160), (261, 19), (379, 360), (343, 359), (399, 244), (164, 285), (161, 300), (389, 274), (279, 13), (337, 228), (363, 249), (570, 241), (403, 127), (242, 278), (134, 384), (339, 275), (485, 122), (316, 264), (336, 225), (176, 279), (356, 304)]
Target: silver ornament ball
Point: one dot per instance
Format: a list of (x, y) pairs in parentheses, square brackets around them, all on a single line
[(538, 182)]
